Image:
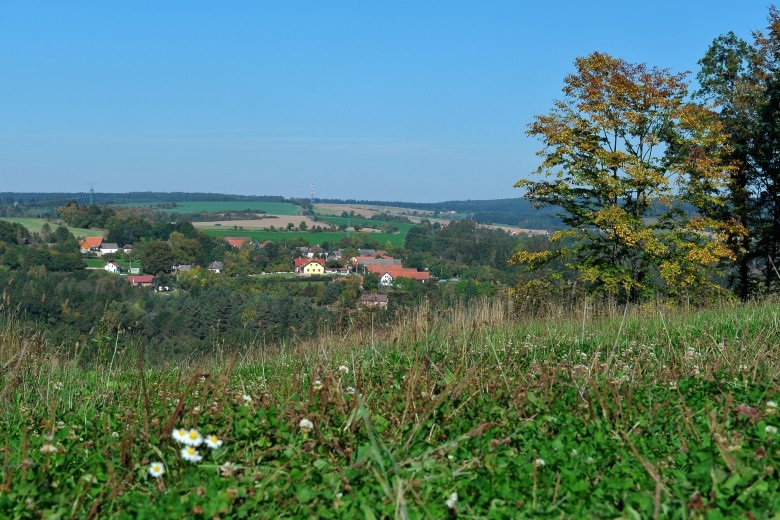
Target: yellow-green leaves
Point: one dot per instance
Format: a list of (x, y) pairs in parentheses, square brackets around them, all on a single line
[(627, 158)]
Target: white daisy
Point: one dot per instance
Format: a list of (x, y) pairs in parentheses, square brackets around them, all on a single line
[(193, 438), (539, 463), (190, 454), (247, 398), (213, 442), (156, 469), (179, 435), (306, 425)]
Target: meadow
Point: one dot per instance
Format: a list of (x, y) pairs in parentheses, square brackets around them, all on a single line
[(35, 225), (311, 238), (647, 412)]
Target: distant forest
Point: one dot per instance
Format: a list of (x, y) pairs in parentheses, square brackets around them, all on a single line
[(44, 205)]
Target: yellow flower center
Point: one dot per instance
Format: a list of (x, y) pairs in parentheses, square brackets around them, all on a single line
[(193, 435), (190, 450)]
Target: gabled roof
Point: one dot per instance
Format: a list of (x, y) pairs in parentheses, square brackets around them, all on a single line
[(373, 298), (302, 262), (398, 272), (109, 245), (93, 242), (236, 242), (143, 278)]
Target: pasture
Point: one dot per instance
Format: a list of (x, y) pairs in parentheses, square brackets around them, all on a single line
[(311, 238), (35, 225)]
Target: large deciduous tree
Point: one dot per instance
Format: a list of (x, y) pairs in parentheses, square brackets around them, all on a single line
[(742, 82), (633, 165)]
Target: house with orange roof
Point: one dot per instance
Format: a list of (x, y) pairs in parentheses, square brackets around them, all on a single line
[(236, 242), (91, 244), (388, 274), (144, 280)]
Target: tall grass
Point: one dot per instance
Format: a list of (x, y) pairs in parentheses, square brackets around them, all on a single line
[(629, 400)]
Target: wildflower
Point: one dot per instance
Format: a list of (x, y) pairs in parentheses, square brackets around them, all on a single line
[(350, 389), (58, 385), (317, 385), (771, 407), (451, 501), (539, 463), (227, 469), (213, 442), (48, 448), (156, 469), (247, 398), (193, 438), (306, 425), (179, 435), (344, 369), (190, 454), (115, 434), (770, 430)]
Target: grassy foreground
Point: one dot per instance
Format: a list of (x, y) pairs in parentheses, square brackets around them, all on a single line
[(655, 413)]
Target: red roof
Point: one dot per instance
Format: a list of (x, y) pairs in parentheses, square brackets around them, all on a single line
[(93, 242), (301, 262), (395, 272), (140, 279), (236, 242)]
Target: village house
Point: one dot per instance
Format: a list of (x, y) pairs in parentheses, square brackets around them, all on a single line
[(91, 245), (144, 280), (236, 242), (113, 267), (108, 248), (216, 267), (309, 266), (387, 275)]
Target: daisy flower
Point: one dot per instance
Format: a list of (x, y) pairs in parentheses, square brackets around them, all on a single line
[(213, 442), (306, 425), (190, 454), (179, 435), (156, 469), (193, 438), (344, 369)]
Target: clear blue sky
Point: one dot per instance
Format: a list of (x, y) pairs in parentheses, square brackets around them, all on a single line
[(402, 100)]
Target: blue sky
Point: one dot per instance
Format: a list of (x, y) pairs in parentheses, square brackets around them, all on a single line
[(402, 100)]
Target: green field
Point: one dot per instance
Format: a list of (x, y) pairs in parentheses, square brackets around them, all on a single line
[(101, 262), (35, 225), (271, 208), (659, 413), (395, 239), (403, 227)]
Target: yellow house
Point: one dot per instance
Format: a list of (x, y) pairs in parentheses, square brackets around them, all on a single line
[(315, 267)]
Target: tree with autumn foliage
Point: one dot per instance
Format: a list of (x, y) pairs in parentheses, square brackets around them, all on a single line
[(636, 168)]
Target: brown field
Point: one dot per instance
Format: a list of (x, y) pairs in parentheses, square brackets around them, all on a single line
[(277, 221), (413, 215)]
